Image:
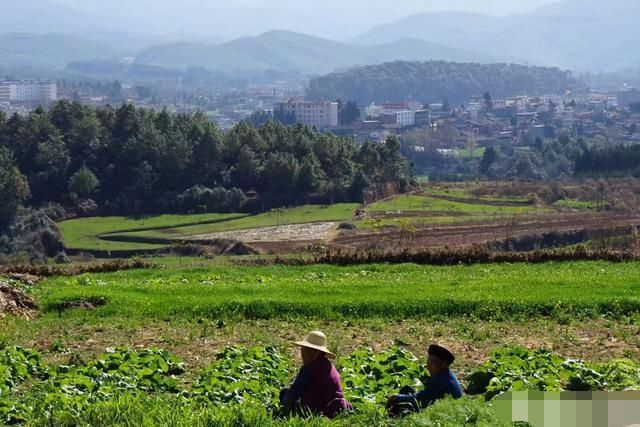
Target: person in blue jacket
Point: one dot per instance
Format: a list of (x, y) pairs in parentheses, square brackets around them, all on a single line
[(442, 382)]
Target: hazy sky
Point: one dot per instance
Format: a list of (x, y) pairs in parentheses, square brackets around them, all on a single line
[(338, 19)]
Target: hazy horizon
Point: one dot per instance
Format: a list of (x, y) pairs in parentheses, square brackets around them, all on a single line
[(334, 19)]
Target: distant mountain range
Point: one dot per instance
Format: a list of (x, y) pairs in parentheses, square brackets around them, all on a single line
[(46, 17), (580, 35), (43, 16), (279, 51), (51, 51), (288, 51)]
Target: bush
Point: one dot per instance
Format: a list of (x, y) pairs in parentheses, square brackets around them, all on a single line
[(55, 212), (62, 258), (87, 207), (73, 270), (346, 226), (473, 255), (33, 234), (205, 199)]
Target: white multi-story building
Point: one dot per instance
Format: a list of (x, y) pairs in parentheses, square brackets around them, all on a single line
[(401, 114), (319, 114), (28, 91), (405, 117), (7, 92)]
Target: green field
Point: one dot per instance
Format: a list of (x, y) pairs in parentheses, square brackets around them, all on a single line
[(298, 215), (575, 308), (84, 233), (389, 291), (417, 203), (154, 232)]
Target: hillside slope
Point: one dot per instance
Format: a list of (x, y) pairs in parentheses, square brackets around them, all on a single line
[(50, 51), (434, 80)]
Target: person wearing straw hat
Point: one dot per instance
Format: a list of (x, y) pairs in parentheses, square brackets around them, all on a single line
[(442, 382), (317, 389)]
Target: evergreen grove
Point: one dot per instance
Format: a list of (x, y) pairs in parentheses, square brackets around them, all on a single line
[(131, 161)]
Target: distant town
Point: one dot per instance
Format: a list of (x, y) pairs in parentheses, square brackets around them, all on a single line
[(480, 122)]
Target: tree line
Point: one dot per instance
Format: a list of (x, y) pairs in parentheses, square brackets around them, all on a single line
[(434, 81), (128, 160), (618, 160), (540, 159)]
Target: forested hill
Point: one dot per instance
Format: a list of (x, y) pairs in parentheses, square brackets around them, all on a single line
[(132, 160), (435, 80)]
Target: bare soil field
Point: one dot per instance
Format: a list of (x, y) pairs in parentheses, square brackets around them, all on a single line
[(486, 231)]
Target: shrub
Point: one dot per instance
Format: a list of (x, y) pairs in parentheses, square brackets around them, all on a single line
[(34, 235), (473, 255), (74, 270), (61, 258), (218, 199)]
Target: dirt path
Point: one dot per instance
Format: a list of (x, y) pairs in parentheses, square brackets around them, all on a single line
[(283, 233)]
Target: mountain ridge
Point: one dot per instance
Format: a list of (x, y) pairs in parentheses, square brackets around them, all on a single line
[(52, 51), (287, 50), (581, 35)]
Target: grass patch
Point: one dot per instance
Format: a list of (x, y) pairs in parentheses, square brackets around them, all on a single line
[(575, 204), (83, 233), (298, 215), (422, 221), (466, 153)]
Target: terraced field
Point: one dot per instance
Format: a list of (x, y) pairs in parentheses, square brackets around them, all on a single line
[(156, 232), (299, 215), (452, 213), (85, 233), (439, 204)]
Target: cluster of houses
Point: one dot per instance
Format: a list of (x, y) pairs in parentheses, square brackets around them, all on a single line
[(515, 121), (613, 115)]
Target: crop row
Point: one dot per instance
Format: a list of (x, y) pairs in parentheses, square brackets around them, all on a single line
[(585, 289), (34, 393)]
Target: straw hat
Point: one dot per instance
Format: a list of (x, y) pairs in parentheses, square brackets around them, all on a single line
[(317, 341)]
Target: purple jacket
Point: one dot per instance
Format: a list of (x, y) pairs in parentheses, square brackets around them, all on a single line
[(319, 390)]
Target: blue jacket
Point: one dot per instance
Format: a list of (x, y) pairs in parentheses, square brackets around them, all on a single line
[(436, 388)]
